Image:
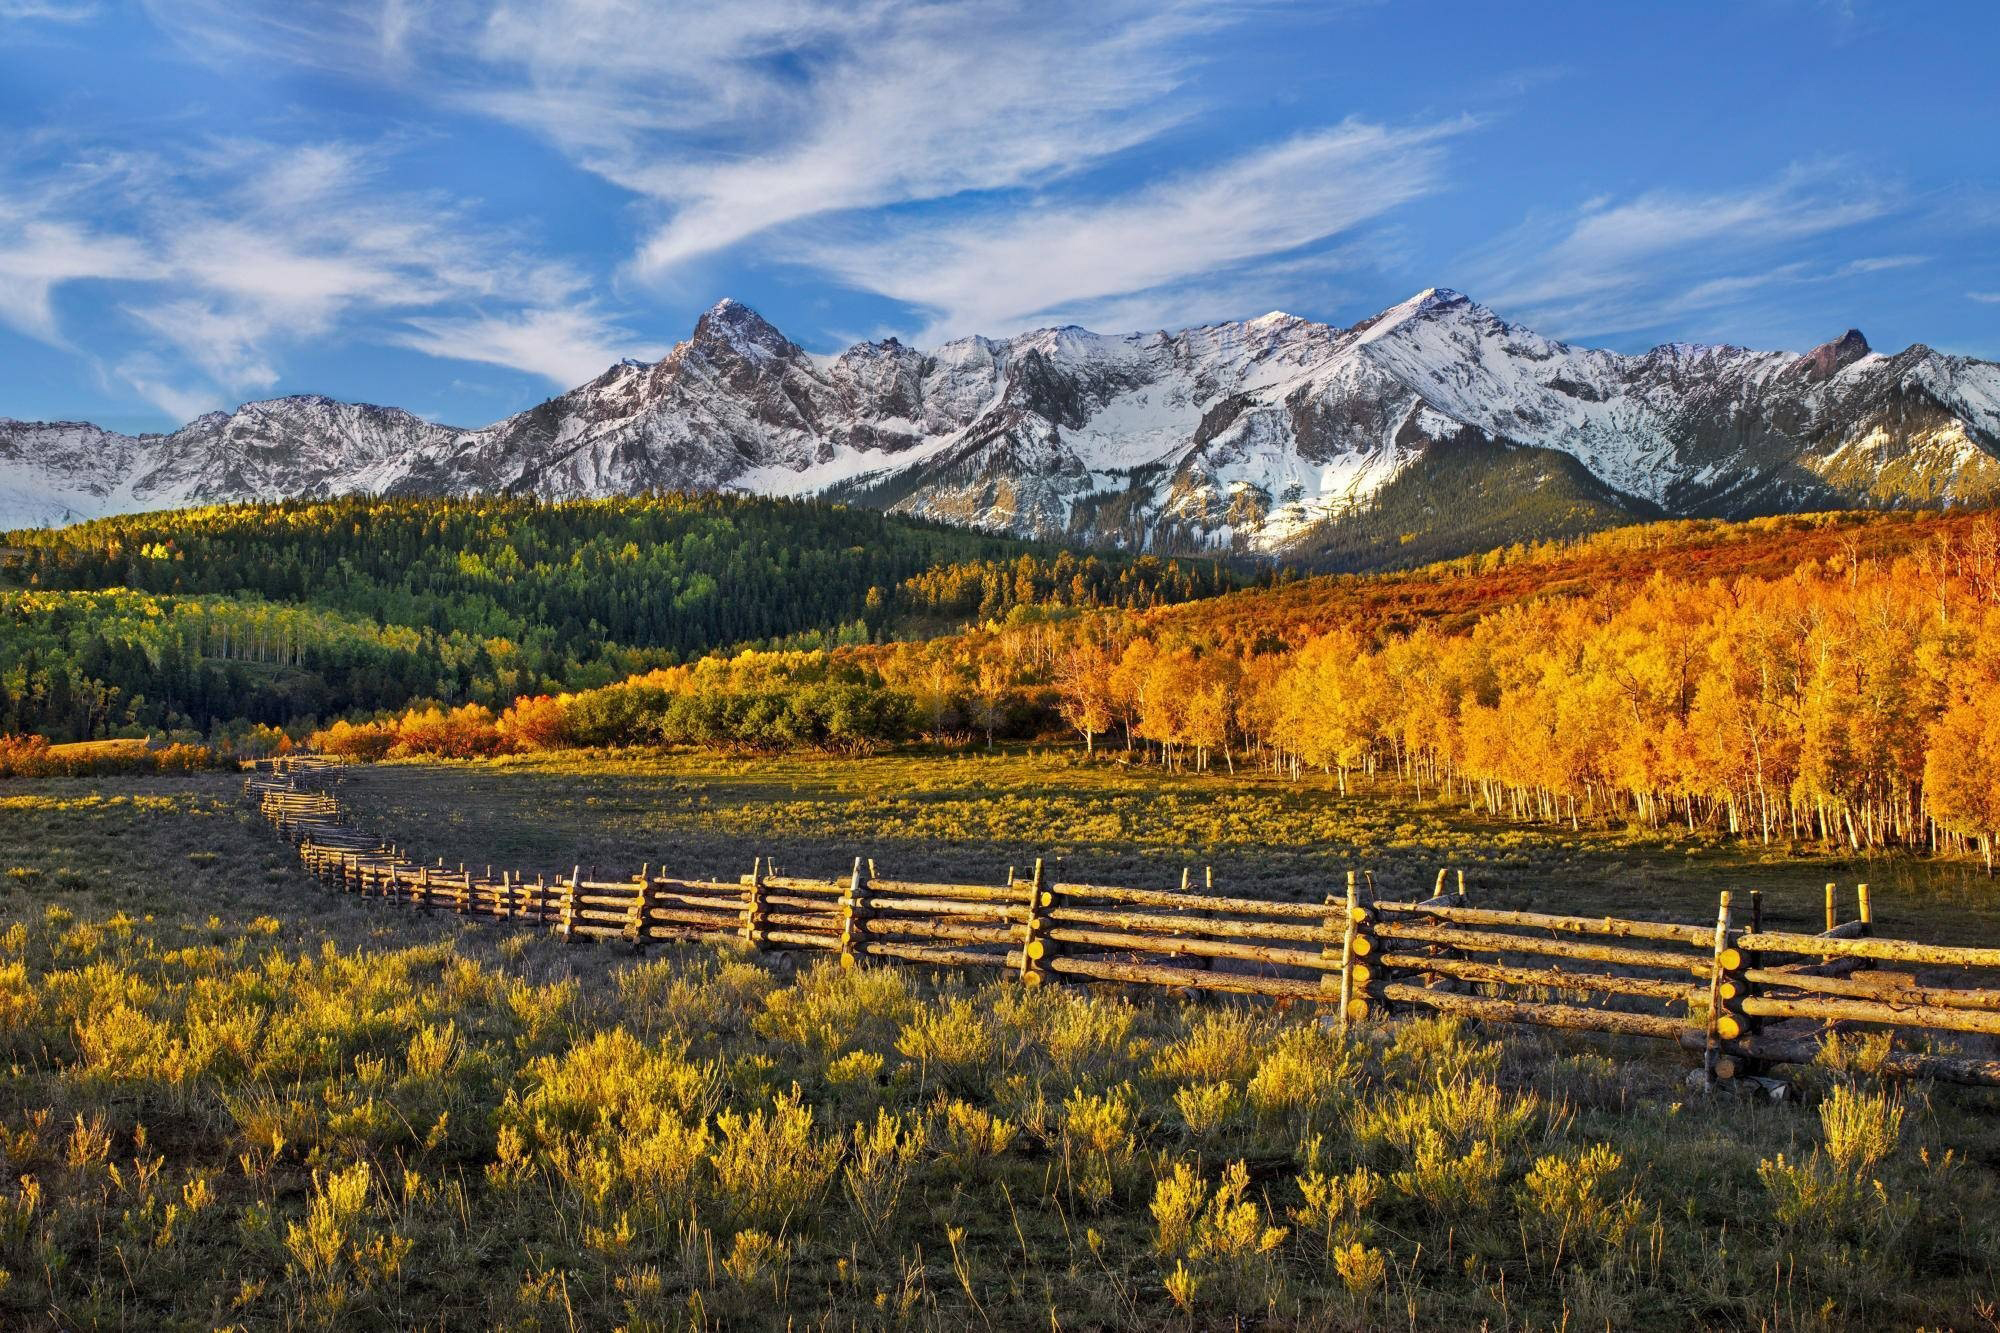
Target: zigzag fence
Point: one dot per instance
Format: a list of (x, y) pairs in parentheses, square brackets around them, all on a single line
[(1747, 998)]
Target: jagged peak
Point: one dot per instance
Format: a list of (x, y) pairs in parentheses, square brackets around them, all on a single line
[(1430, 303), (1830, 358), (731, 325)]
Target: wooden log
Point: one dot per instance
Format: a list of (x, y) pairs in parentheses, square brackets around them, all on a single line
[(945, 930), (1193, 901), (800, 939), (1198, 948), (1961, 1069), (1565, 1016), (830, 922), (567, 910), (1350, 919), (1172, 923), (801, 902), (789, 884), (1895, 987), (1498, 942), (1610, 927), (854, 913), (688, 917), (945, 907), (1469, 969), (1031, 961), (1873, 948), (1888, 1013), (1718, 1025), (1155, 974), (982, 893), (918, 953)]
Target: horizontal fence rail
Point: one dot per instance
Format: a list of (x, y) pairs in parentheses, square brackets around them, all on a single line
[(1743, 997)]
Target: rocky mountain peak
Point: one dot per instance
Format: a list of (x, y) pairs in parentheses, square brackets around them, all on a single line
[(1262, 436), (729, 326), (1829, 359)]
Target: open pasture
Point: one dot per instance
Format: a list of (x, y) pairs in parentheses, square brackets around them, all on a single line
[(971, 816), (237, 1100)]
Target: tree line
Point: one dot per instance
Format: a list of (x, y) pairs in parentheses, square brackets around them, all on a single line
[(1851, 696), (204, 620)]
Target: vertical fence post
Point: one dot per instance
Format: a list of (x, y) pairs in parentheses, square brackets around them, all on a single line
[(635, 915), (1349, 1002), (1036, 947), (752, 929), (1721, 1026), (853, 918), (567, 913)]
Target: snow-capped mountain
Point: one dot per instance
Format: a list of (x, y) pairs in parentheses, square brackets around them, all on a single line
[(1271, 435)]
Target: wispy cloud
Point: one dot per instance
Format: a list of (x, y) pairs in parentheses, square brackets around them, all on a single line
[(231, 252), (54, 11), (1620, 266), (733, 121), (1010, 265), (567, 345), (1989, 298)]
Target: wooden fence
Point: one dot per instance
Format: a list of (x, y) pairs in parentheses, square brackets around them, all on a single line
[(1743, 997)]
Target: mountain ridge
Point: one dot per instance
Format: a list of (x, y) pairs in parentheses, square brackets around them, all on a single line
[(1258, 436)]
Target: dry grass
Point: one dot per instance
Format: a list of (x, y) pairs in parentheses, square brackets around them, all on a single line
[(234, 1101), (971, 816)]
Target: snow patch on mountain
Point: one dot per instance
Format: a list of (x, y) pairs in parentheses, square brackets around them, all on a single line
[(1243, 435)]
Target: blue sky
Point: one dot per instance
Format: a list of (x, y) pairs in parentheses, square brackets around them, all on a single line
[(463, 207)]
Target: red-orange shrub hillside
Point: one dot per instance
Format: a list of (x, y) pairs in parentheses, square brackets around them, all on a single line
[(537, 722), (466, 732), (362, 742)]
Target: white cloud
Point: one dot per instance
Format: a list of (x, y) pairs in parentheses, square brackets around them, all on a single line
[(1616, 267), (991, 273), (150, 378), (39, 254), (567, 345), (234, 251), (733, 120), (1990, 298), (55, 11)]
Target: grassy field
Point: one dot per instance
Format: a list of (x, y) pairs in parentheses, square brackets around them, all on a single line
[(970, 816), (233, 1100)]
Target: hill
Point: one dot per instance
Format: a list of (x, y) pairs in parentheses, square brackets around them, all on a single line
[(283, 613)]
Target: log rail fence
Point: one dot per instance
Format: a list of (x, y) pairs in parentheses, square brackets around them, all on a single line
[(1741, 997)]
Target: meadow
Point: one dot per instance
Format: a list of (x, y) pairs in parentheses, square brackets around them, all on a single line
[(970, 815), (236, 1101)]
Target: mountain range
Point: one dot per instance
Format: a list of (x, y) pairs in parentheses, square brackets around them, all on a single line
[(1433, 427)]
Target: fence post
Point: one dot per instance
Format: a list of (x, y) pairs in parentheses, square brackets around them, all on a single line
[(1732, 989), (1722, 1025), (1357, 947), (566, 917), (1036, 947), (635, 916), (853, 918), (752, 929)]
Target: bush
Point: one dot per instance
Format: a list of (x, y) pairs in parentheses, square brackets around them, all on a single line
[(364, 742), (466, 732)]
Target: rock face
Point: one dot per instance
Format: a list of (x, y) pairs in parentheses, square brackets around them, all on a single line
[(1274, 435)]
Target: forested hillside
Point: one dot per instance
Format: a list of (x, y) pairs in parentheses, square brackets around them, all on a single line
[(1831, 677), (280, 614)]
